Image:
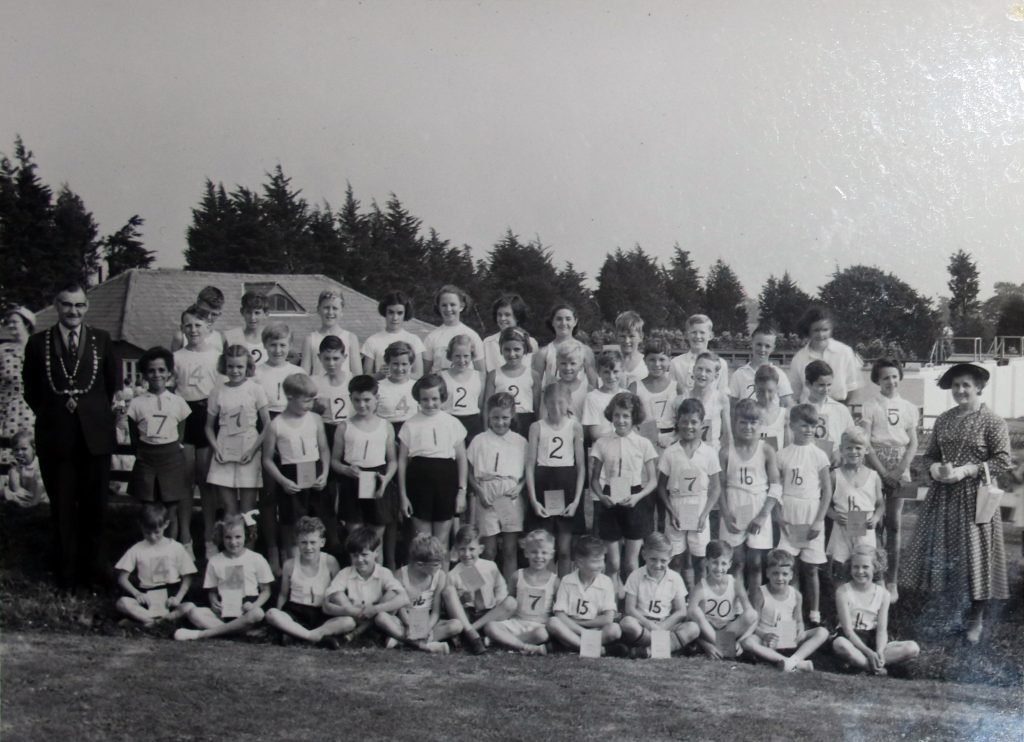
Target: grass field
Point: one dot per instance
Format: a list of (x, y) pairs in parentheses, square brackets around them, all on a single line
[(71, 669)]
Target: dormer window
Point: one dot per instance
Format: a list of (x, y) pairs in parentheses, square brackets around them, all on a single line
[(280, 301)]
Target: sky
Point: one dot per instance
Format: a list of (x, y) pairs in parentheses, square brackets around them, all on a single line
[(787, 135)]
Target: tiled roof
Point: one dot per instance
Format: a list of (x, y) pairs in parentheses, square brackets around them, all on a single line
[(143, 307)]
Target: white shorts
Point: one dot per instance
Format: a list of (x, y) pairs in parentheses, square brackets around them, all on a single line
[(840, 543), (798, 511), (696, 542), (519, 627), (505, 515), (740, 500)]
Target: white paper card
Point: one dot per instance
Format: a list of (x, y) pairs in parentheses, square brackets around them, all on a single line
[(554, 501), (367, 485), (305, 474), (688, 512), (726, 642), (786, 631), (419, 623), (231, 448), (471, 578), (618, 489), (156, 603), (590, 643), (857, 523), (661, 645), (231, 603)]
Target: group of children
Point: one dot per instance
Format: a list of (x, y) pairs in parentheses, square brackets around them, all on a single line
[(710, 479)]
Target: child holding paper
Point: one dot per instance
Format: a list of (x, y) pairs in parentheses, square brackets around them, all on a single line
[(656, 601), (295, 454), (555, 473), (364, 463), (622, 475), (806, 490), (418, 624), (780, 637), (585, 601), (857, 503), (331, 381), (237, 582), (497, 468), (534, 591), (863, 608), (477, 593), (162, 568), (722, 611), (689, 487), (364, 594), (156, 423), (304, 580), (236, 406), (752, 490)]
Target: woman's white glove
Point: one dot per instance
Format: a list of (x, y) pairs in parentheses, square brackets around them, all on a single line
[(935, 470)]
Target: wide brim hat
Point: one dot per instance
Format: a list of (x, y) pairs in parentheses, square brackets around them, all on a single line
[(26, 314), (980, 373)]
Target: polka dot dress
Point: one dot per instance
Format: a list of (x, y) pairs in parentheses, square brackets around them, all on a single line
[(949, 552), (14, 410)]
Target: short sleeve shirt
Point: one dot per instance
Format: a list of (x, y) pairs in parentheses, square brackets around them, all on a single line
[(585, 603), (436, 345), (741, 383), (845, 369), (364, 590), (432, 436), (271, 378), (245, 572), (655, 597), (493, 591), (377, 343), (501, 455), (157, 565), (890, 421), (157, 416), (623, 456)]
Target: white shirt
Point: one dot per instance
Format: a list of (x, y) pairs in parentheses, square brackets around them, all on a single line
[(741, 383), (195, 373), (271, 378), (493, 591), (433, 436), (655, 597), (623, 456), (334, 397), (689, 476), (889, 421), (378, 342), (682, 369), (498, 455), (845, 369), (799, 467), (246, 572), (158, 416), (436, 345), (159, 564), (584, 603)]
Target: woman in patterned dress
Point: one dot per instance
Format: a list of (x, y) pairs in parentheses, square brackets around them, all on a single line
[(15, 414), (949, 552)]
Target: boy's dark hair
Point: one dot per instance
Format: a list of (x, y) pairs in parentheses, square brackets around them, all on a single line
[(779, 558), (360, 539), (466, 535), (763, 329), (589, 546), (608, 359), (626, 401), (152, 515), (512, 301), (815, 370), (877, 366), (658, 345), (503, 400), (156, 353), (196, 311), (253, 300), (212, 297), (331, 342), (814, 313), (430, 381), (399, 348), (804, 413), (717, 549), (690, 407), (550, 321), (747, 409), (515, 334), (363, 383), (766, 373), (393, 299)]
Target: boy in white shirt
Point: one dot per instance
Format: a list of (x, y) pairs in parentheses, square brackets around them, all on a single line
[(699, 332), (629, 331), (609, 371), (741, 383), (585, 598), (816, 325)]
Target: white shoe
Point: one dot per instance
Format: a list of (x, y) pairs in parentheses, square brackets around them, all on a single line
[(437, 647), (391, 643), (184, 635)]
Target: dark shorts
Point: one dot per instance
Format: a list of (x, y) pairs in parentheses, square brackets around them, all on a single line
[(306, 616), (195, 425), (377, 512), (619, 522), (305, 502), (557, 478), (159, 474), (432, 485), (473, 424)]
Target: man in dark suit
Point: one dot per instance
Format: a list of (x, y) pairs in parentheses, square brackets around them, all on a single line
[(70, 375)]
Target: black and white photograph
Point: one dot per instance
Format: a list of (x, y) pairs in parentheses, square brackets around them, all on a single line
[(512, 370)]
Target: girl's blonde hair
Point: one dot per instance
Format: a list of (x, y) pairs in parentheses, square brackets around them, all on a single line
[(570, 349), (877, 555), (856, 435)]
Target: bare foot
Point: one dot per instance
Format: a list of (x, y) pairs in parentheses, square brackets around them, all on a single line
[(790, 665), (184, 635), (805, 666)]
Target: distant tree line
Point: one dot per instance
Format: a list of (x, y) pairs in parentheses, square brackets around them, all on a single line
[(374, 249)]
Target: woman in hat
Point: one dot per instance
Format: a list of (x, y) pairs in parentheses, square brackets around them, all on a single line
[(15, 414), (949, 552)]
